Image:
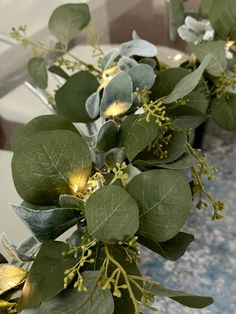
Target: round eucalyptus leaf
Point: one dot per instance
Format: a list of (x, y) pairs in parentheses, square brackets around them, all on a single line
[(164, 199), (109, 58), (126, 63), (68, 20), (175, 149), (117, 95), (92, 105), (38, 124), (142, 76), (51, 163), (113, 156), (72, 96), (107, 136), (136, 134), (224, 112), (38, 71), (111, 214), (138, 47), (93, 301)]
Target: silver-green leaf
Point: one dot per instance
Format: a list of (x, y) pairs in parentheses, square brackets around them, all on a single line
[(38, 71)]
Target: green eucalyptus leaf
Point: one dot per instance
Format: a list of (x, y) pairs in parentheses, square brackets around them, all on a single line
[(11, 276), (38, 71), (92, 105), (218, 63), (93, 301), (46, 276), (184, 162), (172, 249), (113, 156), (176, 17), (188, 82), (38, 124), (58, 71), (126, 63), (107, 136), (71, 201), (72, 96), (111, 214), (2, 259), (25, 252), (142, 76), (181, 297), (175, 149), (42, 180), (68, 20), (149, 61), (117, 95), (109, 58), (223, 112), (222, 15), (155, 192), (136, 134), (45, 222), (186, 117), (138, 47)]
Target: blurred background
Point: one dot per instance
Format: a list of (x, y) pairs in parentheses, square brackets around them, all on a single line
[(208, 267)]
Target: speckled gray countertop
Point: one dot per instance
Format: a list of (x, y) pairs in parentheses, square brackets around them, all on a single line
[(209, 265)]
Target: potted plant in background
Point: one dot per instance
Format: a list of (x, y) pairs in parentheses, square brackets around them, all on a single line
[(131, 180)]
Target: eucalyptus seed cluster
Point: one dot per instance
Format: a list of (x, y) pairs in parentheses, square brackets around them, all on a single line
[(83, 253), (223, 84), (201, 170)]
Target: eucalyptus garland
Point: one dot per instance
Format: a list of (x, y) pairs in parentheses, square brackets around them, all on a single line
[(131, 179)]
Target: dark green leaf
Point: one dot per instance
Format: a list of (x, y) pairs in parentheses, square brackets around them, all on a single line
[(181, 297), (44, 167), (113, 156), (218, 62), (172, 249), (149, 61), (68, 20), (94, 301), (117, 95), (188, 83), (136, 134), (176, 17), (222, 15), (175, 149), (164, 199), (224, 112), (186, 117), (2, 259), (92, 105), (111, 214), (46, 277), (38, 71), (107, 136), (58, 71), (184, 162), (45, 222), (71, 201), (142, 76), (72, 96), (38, 124)]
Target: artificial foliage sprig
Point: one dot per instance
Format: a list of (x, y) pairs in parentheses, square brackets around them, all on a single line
[(114, 183)]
